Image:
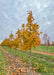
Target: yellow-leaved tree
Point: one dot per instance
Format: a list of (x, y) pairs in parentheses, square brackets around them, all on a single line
[(11, 37), (30, 35), (17, 40), (5, 42)]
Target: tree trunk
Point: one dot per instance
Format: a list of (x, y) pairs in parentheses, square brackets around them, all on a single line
[(10, 50), (15, 52), (30, 62)]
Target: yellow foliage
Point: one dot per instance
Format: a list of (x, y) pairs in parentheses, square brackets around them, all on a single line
[(27, 36)]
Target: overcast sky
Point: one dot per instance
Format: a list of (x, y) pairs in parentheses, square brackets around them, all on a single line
[(13, 14)]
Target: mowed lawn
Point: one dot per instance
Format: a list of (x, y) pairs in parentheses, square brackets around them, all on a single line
[(49, 49), (3, 63), (41, 63)]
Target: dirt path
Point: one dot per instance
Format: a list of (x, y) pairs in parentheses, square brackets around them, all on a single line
[(16, 66), (44, 53)]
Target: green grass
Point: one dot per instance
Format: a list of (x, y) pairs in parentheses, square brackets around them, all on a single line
[(3, 63), (37, 60), (49, 49), (42, 56)]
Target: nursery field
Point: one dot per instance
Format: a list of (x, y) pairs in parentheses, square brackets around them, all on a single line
[(22, 54), (40, 63)]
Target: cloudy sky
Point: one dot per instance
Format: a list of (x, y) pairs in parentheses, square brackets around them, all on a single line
[(13, 14)]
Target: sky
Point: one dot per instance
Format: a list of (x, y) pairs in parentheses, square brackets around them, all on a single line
[(13, 13)]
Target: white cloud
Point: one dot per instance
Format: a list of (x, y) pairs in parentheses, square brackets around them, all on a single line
[(48, 22), (38, 6), (45, 5), (6, 16)]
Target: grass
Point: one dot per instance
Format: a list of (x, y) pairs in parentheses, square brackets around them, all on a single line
[(3, 63), (42, 56), (42, 66), (49, 49)]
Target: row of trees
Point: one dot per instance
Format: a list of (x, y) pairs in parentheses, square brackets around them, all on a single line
[(52, 43), (26, 37)]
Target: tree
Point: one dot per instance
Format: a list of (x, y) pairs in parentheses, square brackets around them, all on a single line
[(46, 39), (52, 43), (11, 40), (18, 38), (5, 42), (17, 41), (11, 36), (48, 42), (30, 35)]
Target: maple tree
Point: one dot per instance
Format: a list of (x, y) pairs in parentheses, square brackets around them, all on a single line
[(27, 36), (17, 41), (11, 37), (5, 42), (18, 38), (8, 41), (30, 35)]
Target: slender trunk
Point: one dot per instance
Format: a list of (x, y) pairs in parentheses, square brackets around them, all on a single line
[(47, 49), (15, 55), (30, 62), (10, 50), (15, 52), (47, 46)]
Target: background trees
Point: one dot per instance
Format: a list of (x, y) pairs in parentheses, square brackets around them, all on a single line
[(5, 42), (46, 39), (52, 43)]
